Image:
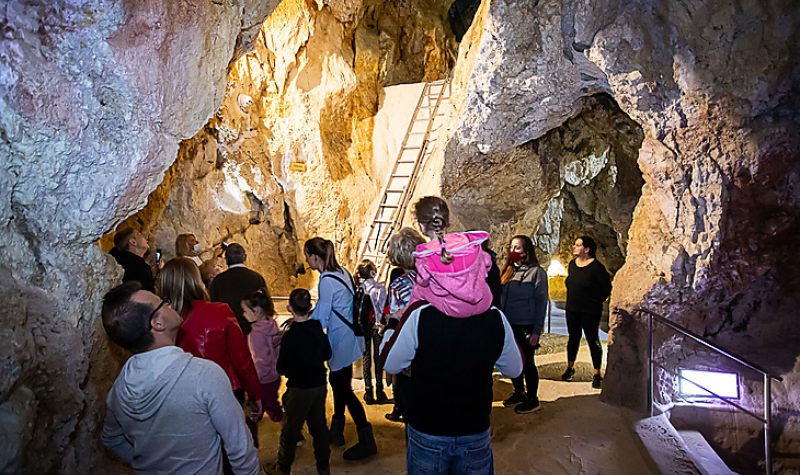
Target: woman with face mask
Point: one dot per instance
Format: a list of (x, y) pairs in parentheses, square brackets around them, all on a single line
[(187, 245), (524, 300)]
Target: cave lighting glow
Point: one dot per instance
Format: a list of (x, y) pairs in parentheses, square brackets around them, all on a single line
[(555, 268), (722, 383)]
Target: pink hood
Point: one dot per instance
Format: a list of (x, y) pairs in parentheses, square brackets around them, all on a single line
[(458, 289)]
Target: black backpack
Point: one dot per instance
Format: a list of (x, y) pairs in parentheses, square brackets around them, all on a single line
[(362, 305)]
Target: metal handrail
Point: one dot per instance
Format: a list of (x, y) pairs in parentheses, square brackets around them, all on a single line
[(680, 329), (767, 376)]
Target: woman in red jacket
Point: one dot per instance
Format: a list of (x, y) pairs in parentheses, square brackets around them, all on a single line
[(209, 329)]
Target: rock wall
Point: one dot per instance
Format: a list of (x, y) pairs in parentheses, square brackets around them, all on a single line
[(715, 89), (94, 98), (292, 142)]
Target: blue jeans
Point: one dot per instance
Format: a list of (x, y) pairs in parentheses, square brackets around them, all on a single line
[(439, 454)]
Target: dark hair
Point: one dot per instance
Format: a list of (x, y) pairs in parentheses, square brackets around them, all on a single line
[(530, 257), (122, 237), (300, 301), (234, 254), (127, 323), (432, 211), (323, 249), (589, 244), (366, 269), (396, 273), (261, 299)]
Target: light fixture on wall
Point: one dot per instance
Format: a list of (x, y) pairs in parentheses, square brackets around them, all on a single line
[(723, 384)]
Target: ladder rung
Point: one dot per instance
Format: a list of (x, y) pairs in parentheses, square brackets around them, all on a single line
[(395, 191), (411, 148), (390, 206), (382, 221), (401, 176)]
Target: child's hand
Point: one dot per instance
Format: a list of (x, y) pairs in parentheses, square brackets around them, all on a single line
[(287, 324)]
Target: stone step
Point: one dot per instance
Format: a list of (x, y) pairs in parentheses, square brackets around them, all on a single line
[(664, 446), (705, 458)]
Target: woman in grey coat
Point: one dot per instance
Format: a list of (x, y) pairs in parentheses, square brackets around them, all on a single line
[(524, 300)]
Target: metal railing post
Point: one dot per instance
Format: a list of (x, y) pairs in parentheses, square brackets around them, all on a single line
[(768, 423), (650, 368), (768, 377)]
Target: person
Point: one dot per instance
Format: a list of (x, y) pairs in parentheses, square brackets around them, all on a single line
[(433, 217), (452, 342), (524, 301), (167, 411), (264, 341), (210, 331), (210, 269), (236, 283), (334, 307), (304, 350), (401, 255), (130, 247), (493, 279), (186, 245), (366, 272), (588, 286)]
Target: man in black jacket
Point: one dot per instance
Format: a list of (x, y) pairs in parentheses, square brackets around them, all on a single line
[(236, 283), (129, 249)]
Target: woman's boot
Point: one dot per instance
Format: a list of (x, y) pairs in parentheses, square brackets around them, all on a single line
[(365, 447), (337, 431)]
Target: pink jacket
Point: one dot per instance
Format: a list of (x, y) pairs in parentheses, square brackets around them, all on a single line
[(458, 289), (264, 341)]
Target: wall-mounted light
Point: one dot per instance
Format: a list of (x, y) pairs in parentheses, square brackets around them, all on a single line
[(721, 383)]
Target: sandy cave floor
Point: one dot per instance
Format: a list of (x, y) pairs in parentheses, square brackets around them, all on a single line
[(573, 433)]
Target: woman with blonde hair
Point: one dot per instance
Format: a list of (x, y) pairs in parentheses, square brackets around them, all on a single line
[(401, 255), (186, 245), (209, 329)]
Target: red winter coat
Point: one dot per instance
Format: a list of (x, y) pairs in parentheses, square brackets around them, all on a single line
[(210, 331)]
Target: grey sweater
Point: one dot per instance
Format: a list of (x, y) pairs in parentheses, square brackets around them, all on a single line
[(169, 412), (524, 299)]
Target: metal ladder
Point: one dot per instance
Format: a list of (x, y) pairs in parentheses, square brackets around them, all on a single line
[(417, 145)]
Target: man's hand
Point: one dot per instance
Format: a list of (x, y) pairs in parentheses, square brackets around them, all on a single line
[(218, 252)]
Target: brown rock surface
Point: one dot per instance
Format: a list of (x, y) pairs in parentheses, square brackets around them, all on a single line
[(94, 98), (715, 89), (307, 94)]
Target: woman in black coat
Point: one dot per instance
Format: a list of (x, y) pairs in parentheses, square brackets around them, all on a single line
[(588, 286)]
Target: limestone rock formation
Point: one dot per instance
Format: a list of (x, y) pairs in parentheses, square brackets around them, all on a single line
[(292, 141), (715, 88), (94, 98)]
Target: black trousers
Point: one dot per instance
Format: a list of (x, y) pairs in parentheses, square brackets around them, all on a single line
[(372, 351), (530, 375), (343, 396), (589, 324), (300, 406)]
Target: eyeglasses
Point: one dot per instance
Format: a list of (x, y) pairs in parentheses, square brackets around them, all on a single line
[(163, 302)]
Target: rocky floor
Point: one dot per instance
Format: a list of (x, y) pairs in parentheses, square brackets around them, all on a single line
[(574, 433)]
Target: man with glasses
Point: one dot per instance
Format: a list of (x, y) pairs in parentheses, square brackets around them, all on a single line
[(168, 412)]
